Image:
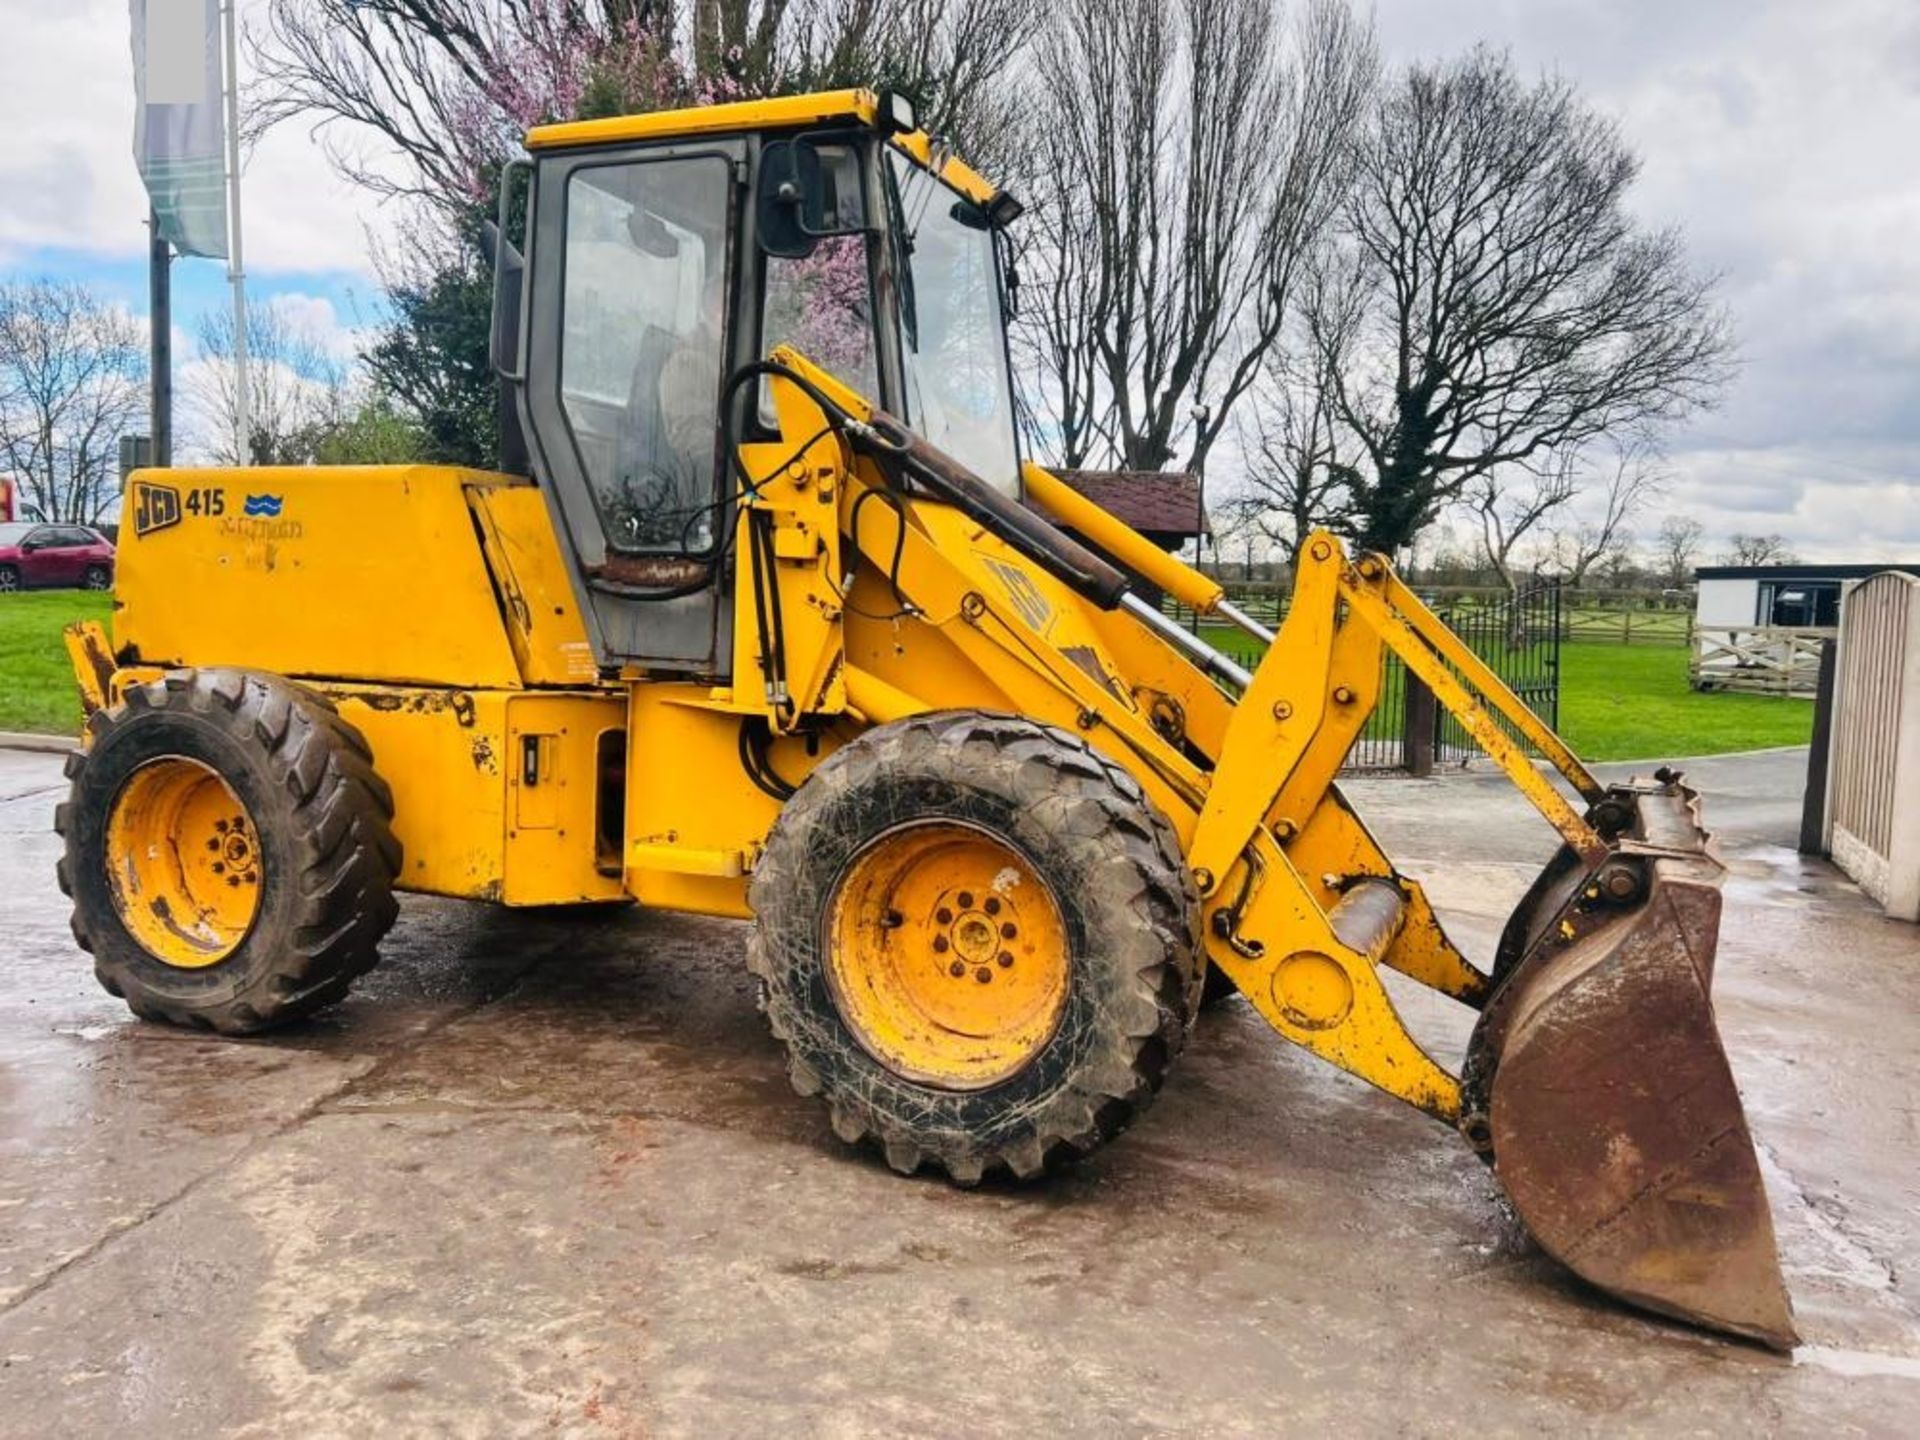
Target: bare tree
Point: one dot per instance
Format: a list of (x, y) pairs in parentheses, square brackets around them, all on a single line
[(1758, 550), (1296, 472), (1245, 528), (291, 381), (1510, 509), (424, 98), (1171, 230), (1512, 308), (1619, 568), (71, 382), (955, 58), (1635, 478), (1679, 547)]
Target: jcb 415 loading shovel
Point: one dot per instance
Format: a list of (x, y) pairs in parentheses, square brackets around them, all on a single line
[(874, 684), (1597, 1085)]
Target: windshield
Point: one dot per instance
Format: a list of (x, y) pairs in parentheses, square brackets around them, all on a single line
[(958, 392)]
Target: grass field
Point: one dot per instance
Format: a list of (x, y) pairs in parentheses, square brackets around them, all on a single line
[(36, 683), (1617, 702), (1632, 702)]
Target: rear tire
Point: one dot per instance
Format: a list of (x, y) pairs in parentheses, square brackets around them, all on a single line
[(1078, 833), (311, 894), (97, 578)]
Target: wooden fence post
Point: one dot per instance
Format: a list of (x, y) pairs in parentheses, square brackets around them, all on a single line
[(1422, 720), (1813, 805)]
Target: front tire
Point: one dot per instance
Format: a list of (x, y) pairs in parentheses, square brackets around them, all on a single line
[(977, 940), (9, 579), (229, 851)]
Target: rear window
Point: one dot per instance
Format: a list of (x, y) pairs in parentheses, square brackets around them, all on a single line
[(14, 534)]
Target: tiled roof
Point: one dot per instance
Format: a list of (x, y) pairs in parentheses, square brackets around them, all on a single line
[(1161, 501)]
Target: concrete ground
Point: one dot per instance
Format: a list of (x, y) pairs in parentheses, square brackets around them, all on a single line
[(545, 1175)]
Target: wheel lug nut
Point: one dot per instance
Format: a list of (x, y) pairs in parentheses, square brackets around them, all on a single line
[(218, 868), (213, 845), (939, 944), (221, 826), (983, 975), (957, 969), (894, 920), (1007, 931), (993, 905), (233, 880), (943, 915), (1006, 959), (253, 877), (966, 899)]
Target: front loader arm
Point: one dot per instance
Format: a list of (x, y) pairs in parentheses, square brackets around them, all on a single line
[(1594, 1081), (1301, 905)]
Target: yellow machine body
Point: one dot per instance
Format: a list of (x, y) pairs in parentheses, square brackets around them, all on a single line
[(439, 610)]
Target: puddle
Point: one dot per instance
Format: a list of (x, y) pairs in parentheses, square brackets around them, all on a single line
[(1854, 1363), (87, 1032)]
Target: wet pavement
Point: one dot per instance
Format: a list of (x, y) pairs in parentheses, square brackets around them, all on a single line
[(543, 1173)]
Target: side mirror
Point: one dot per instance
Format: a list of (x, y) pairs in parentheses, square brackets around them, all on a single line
[(509, 272), (505, 343), (806, 193)]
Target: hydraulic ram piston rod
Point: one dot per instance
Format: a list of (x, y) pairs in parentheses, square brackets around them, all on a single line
[(1192, 646), (1227, 610)]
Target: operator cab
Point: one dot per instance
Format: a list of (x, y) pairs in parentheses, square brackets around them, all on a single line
[(665, 251)]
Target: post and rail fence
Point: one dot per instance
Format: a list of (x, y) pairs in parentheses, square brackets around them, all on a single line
[(1757, 659)]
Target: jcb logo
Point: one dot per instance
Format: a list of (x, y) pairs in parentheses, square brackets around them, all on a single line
[(155, 507), (1024, 594)]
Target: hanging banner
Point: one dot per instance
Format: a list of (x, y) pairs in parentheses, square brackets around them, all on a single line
[(179, 130)]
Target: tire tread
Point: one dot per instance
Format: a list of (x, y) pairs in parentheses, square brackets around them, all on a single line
[(339, 823), (1100, 802)]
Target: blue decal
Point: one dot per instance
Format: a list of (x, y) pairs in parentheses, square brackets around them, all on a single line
[(263, 505)]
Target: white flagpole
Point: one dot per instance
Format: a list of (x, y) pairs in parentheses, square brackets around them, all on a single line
[(236, 266)]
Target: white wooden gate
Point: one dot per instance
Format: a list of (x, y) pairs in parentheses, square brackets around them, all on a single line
[(1873, 774), (1764, 659)]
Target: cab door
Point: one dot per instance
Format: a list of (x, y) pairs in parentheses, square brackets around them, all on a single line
[(629, 339)]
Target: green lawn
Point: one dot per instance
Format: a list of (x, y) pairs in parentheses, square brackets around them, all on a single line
[(1632, 702), (1617, 702), (36, 682)]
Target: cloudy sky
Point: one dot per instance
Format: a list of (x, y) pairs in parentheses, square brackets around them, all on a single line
[(1782, 135)]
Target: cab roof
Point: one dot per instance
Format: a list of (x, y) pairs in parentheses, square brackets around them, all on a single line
[(855, 107)]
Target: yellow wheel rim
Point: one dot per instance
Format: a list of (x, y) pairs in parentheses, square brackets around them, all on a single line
[(183, 862), (947, 956)]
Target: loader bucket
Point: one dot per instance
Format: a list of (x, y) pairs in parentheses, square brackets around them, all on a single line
[(1597, 1085)]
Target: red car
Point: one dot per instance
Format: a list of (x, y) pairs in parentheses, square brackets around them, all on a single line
[(71, 556)]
